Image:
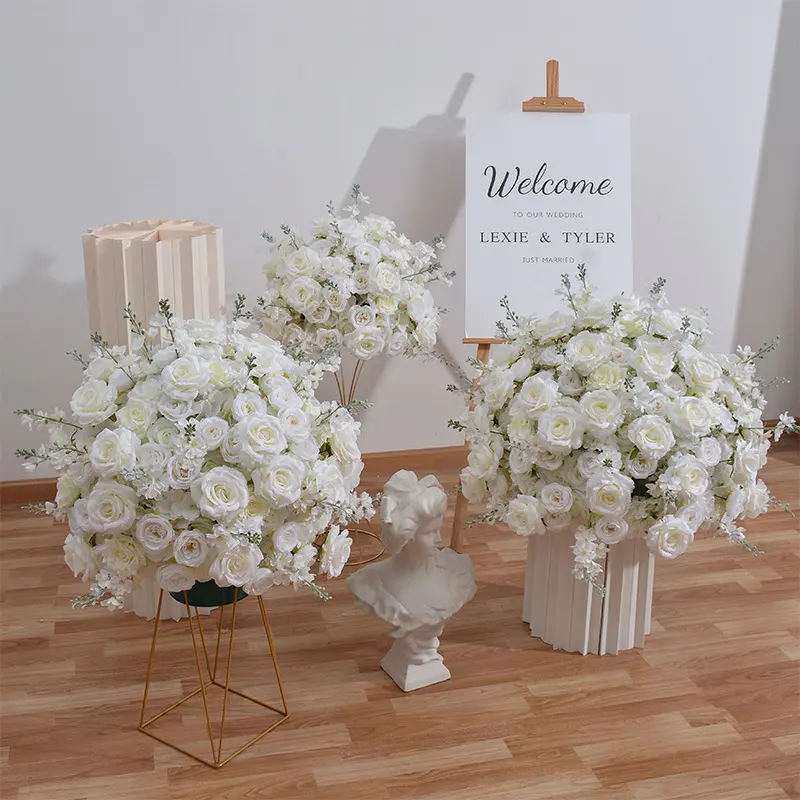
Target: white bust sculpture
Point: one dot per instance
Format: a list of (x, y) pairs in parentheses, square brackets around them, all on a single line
[(419, 586)]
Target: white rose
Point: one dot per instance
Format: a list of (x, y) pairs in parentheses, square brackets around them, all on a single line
[(185, 377), (397, 344), (78, 518), (548, 459), (113, 451), (319, 315), (260, 437), (669, 537), (262, 579), (673, 386), (524, 516), (181, 471), (137, 415), (190, 548), (557, 522), (121, 555), (78, 556), (521, 368), (472, 487), (386, 278), (165, 433), (367, 253), (483, 459), (556, 498), (607, 376), (602, 412), (364, 343), (496, 386), (690, 417), (247, 404), (155, 534), (553, 327), (561, 428), (175, 410), (335, 299), (609, 493), (709, 451), (694, 513), (93, 402), (756, 499), (111, 507), (421, 306), (666, 322), (570, 382), (640, 466), (303, 295), (551, 356), (101, 368), (235, 567), (335, 551), (653, 359), (611, 530), (280, 392), (536, 394), (519, 461), (221, 492), (362, 316), (651, 435), (328, 338), (691, 475), (748, 459), (281, 481), (67, 491), (302, 263), (175, 578), (152, 458), (343, 439), (212, 431), (586, 351), (287, 537), (426, 332)]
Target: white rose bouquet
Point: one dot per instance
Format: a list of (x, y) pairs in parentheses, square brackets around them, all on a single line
[(354, 283), (611, 420), (200, 454)]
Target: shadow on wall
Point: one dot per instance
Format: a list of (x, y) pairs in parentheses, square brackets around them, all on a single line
[(38, 358), (415, 176), (770, 296)]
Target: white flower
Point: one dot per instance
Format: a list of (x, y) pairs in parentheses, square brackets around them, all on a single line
[(386, 279), (303, 295), (93, 402), (328, 337), (101, 368), (537, 394), (294, 423), (137, 415), (556, 498), (397, 344), (165, 433), (426, 332), (367, 253), (748, 458), (709, 451), (756, 499), (263, 578), (483, 459), (78, 555), (690, 417), (602, 412), (260, 437), (181, 471), (121, 554), (335, 299), (496, 386), (212, 432), (288, 537), (364, 343), (609, 493), (669, 537), (281, 481), (190, 548), (111, 507), (236, 566), (113, 451), (175, 578), (702, 373), (185, 377), (220, 493), (734, 504), (301, 263), (335, 551), (362, 317), (561, 427), (344, 437), (653, 359), (281, 393), (607, 376), (785, 422), (248, 404), (651, 435), (570, 382), (691, 475), (67, 491), (524, 516), (557, 522), (640, 466), (611, 530), (472, 487), (319, 314), (155, 533), (586, 351), (554, 326)]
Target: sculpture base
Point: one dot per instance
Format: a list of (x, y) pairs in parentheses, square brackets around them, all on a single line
[(410, 677)]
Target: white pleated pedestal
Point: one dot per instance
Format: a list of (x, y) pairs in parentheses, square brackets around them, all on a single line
[(570, 614)]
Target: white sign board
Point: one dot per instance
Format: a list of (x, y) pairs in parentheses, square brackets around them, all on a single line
[(544, 193)]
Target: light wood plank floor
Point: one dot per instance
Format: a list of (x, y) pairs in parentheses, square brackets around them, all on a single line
[(707, 711)]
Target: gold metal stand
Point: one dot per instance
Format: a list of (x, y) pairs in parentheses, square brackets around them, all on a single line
[(217, 759), (362, 532)]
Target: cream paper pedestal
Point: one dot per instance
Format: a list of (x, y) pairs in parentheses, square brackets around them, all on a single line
[(140, 263), (570, 614)]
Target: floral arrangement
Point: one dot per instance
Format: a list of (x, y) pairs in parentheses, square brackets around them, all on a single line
[(354, 283), (200, 453), (610, 420)]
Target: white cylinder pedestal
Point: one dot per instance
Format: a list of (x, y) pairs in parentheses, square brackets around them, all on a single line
[(572, 615)]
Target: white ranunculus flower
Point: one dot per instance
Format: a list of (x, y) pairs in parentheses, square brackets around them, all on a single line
[(113, 451), (690, 417), (608, 493), (281, 481), (185, 377), (212, 431), (190, 548), (640, 466), (561, 427), (137, 415), (602, 412), (260, 437), (175, 578), (611, 530), (365, 343), (248, 404), (155, 534), (586, 351), (537, 394), (362, 317), (181, 471), (262, 580), (653, 359), (556, 498), (78, 555), (303, 295), (221, 492), (669, 537), (93, 402), (652, 435), (111, 507), (236, 566), (524, 516), (335, 551), (496, 386), (121, 554)]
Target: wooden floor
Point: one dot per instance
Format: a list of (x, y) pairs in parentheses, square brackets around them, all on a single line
[(707, 711)]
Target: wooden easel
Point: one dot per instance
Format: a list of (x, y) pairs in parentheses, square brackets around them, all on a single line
[(552, 102)]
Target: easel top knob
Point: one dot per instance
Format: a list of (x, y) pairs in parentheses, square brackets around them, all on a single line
[(553, 102)]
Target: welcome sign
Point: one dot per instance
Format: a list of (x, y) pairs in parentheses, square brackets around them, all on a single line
[(544, 193)]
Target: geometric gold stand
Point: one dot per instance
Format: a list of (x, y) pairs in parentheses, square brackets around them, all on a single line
[(361, 562), (205, 686)]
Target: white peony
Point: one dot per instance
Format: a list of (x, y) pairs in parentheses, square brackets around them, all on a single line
[(669, 537), (524, 516), (221, 492)]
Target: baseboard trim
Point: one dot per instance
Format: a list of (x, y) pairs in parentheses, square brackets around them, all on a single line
[(37, 490)]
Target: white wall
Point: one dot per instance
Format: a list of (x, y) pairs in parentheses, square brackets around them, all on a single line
[(249, 114)]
